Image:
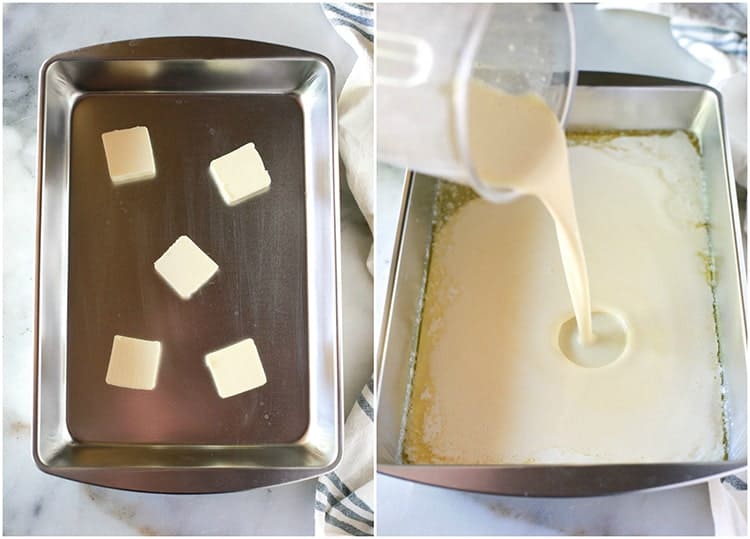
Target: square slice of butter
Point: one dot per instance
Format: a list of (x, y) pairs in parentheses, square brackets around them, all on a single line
[(129, 155), (185, 267), (133, 363), (240, 174), (236, 368)]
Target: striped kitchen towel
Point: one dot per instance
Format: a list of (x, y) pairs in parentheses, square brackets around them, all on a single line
[(344, 497), (354, 22), (722, 49), (715, 34)]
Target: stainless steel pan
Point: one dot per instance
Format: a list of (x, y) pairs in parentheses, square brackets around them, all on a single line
[(279, 277), (603, 101)]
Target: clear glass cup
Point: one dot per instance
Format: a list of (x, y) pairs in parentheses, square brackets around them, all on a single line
[(426, 55)]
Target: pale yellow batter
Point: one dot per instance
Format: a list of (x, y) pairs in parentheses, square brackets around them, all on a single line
[(517, 142), (491, 384)]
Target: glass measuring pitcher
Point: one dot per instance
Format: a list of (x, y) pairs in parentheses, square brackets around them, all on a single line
[(426, 55)]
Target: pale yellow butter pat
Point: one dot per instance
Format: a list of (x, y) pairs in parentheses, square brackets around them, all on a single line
[(185, 267), (240, 174), (236, 368), (129, 155), (133, 363)]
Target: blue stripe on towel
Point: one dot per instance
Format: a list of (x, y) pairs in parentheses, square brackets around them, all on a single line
[(353, 26), (366, 408), (358, 5), (351, 530), (365, 21), (735, 482), (702, 28)]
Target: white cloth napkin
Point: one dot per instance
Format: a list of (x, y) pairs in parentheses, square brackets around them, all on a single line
[(354, 23), (716, 35), (344, 498)]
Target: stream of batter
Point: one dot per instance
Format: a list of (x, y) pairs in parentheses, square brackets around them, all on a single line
[(518, 143), (504, 373)]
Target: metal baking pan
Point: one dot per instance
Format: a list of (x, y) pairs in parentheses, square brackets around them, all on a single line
[(278, 253), (603, 101)]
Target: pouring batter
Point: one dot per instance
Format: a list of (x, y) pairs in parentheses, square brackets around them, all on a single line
[(517, 142)]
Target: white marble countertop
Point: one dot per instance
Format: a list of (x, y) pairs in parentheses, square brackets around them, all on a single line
[(36, 503), (606, 41)]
